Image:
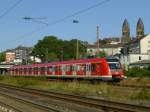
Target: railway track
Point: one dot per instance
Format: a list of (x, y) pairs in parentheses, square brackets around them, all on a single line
[(133, 86), (8, 108), (93, 104)]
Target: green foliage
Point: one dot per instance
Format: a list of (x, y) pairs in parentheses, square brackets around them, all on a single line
[(53, 49), (138, 72), (101, 54), (2, 57), (143, 94), (104, 90)]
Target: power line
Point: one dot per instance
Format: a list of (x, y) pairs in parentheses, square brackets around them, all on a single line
[(62, 19), (79, 12), (10, 9)]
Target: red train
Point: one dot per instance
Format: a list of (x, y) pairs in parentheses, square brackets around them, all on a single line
[(96, 68)]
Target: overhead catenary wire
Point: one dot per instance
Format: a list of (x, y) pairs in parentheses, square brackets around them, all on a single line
[(11, 8), (61, 20)]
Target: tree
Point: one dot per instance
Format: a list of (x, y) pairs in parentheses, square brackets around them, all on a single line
[(53, 49), (46, 47), (2, 57), (101, 54)]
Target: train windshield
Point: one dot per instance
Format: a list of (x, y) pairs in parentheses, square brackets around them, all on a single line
[(114, 63)]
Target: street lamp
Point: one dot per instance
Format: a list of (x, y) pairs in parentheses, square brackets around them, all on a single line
[(77, 44)]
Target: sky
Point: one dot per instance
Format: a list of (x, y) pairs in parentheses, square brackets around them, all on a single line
[(15, 31)]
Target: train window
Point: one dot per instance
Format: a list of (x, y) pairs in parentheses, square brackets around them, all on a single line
[(63, 67), (57, 68), (36, 69), (93, 67), (53, 68), (20, 69), (71, 68), (42, 69), (74, 67), (50, 69), (87, 67), (114, 65), (83, 67), (67, 68), (30, 70), (16, 70), (112, 60), (78, 67), (24, 70)]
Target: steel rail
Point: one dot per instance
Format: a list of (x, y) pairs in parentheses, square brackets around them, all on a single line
[(8, 108), (26, 101), (133, 86), (90, 102)]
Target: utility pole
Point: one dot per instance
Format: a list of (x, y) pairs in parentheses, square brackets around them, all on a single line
[(97, 33), (46, 55), (77, 50), (77, 44)]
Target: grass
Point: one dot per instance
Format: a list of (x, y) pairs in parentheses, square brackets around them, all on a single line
[(81, 88)]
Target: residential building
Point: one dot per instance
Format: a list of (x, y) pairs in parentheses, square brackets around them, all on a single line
[(21, 54), (109, 49), (136, 51), (10, 56)]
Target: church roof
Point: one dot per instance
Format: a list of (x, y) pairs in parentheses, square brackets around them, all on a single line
[(125, 23), (140, 22)]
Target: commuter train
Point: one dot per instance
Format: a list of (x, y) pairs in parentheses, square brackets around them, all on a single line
[(96, 68)]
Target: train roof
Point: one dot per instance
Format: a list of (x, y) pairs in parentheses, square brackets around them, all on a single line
[(62, 62)]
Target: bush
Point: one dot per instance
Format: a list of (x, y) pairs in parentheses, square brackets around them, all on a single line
[(138, 72)]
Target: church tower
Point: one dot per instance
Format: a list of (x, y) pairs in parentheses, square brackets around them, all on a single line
[(125, 32), (140, 29)]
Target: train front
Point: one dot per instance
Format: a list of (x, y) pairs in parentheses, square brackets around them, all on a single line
[(115, 69)]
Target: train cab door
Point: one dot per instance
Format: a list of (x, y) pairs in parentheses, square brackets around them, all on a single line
[(88, 69), (98, 69), (93, 68)]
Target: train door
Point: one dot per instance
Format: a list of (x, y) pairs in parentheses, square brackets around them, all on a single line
[(68, 70), (11, 71), (93, 68), (60, 69), (88, 69), (74, 69), (57, 70), (53, 70), (63, 70), (35, 70), (17, 72), (45, 72), (42, 70), (30, 71), (96, 69), (20, 71), (25, 71), (81, 69), (50, 70)]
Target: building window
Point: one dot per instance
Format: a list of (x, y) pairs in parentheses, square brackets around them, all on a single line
[(139, 57)]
